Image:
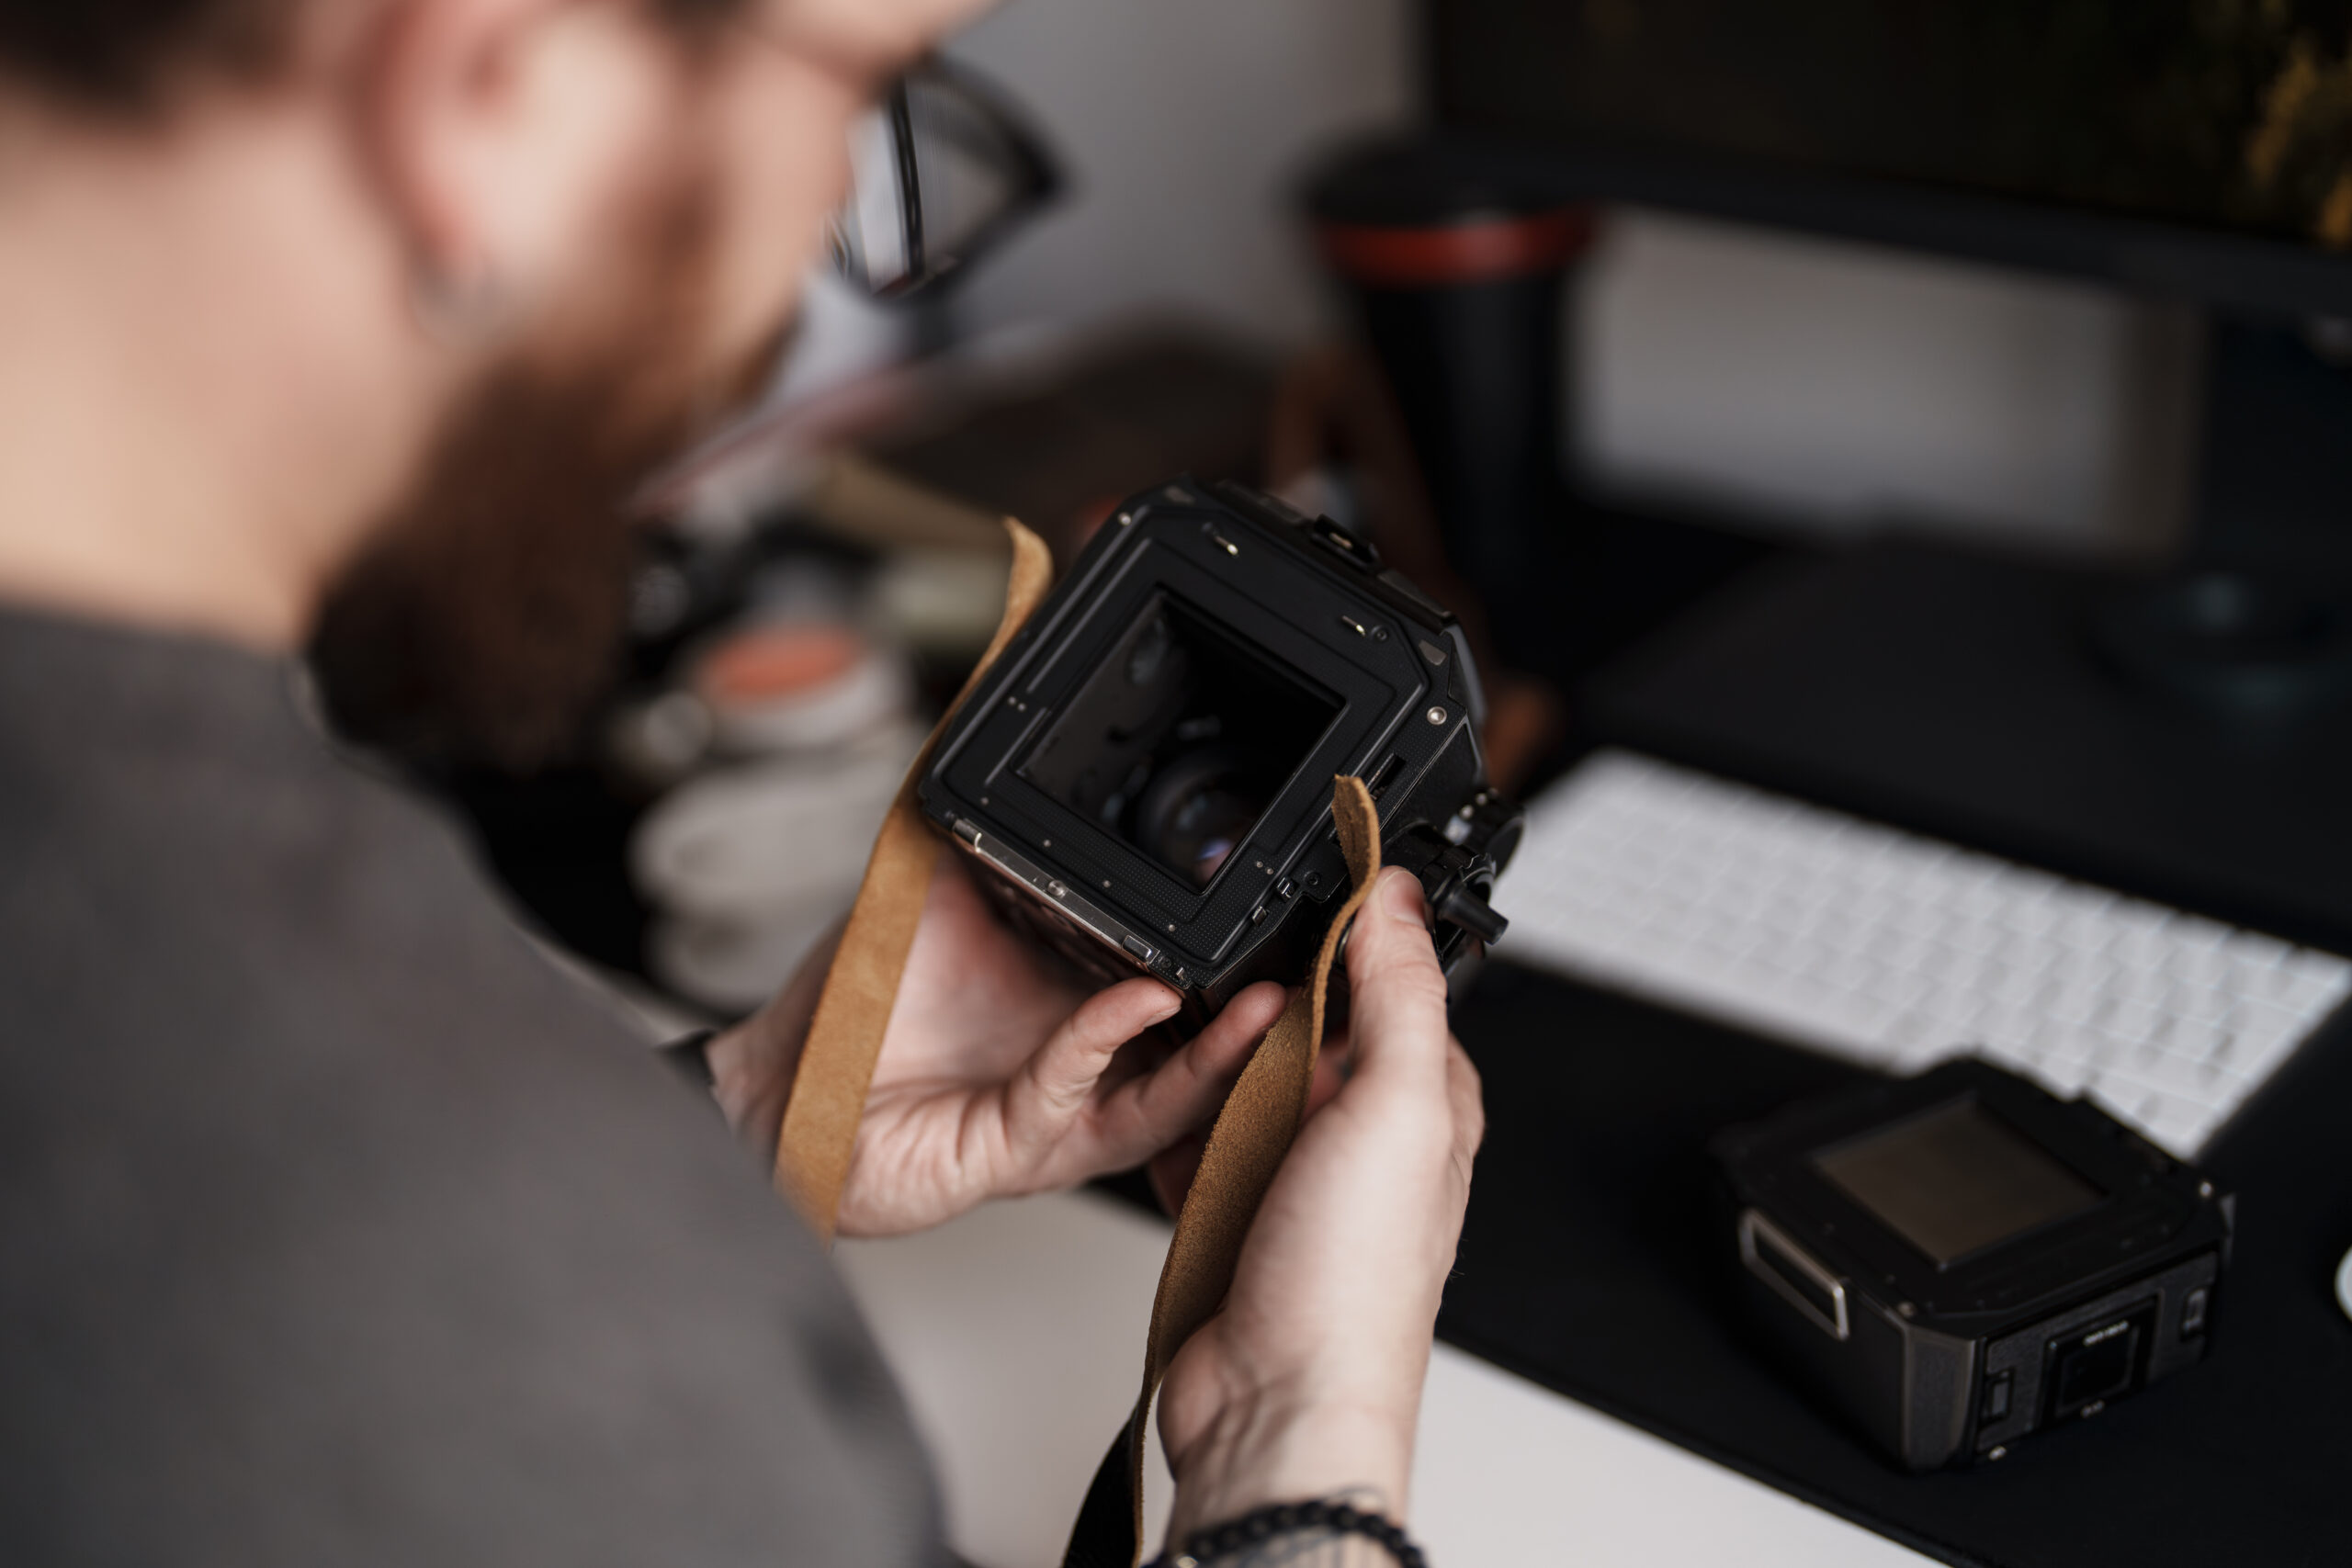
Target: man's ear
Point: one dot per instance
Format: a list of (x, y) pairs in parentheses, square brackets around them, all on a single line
[(501, 133)]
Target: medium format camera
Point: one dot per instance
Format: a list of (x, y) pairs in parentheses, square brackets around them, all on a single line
[(1145, 775), (1958, 1260)]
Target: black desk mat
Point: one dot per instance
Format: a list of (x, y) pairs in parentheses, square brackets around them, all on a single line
[(1589, 1265)]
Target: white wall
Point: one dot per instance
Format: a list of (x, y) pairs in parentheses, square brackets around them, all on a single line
[(1845, 385), (1183, 123)]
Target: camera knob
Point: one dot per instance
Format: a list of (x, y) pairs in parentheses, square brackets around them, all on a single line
[(1462, 906)]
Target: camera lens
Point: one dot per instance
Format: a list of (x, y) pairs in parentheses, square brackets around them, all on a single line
[(1180, 739), (1196, 808)]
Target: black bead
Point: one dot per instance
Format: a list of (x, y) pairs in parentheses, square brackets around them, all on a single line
[(1280, 1518)]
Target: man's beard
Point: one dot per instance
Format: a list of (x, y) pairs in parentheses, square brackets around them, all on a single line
[(486, 618)]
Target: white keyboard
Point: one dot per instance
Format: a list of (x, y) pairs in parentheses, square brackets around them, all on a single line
[(1844, 936)]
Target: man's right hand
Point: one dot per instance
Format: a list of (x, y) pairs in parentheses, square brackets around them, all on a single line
[(1308, 1383)]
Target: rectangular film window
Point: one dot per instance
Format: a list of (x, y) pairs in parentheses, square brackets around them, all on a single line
[(1955, 1181), (1180, 739)]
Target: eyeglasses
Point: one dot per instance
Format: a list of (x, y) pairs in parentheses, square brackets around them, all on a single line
[(941, 171)]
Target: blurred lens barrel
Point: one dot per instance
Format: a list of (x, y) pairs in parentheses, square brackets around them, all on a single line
[(1458, 282)]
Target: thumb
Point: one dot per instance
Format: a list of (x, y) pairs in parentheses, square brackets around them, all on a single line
[(1397, 1007)]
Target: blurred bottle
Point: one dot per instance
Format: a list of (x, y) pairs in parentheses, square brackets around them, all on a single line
[(1458, 281)]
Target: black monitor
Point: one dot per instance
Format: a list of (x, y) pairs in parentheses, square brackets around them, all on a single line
[(2194, 148)]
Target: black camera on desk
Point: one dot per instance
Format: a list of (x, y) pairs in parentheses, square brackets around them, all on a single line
[(1959, 1259), (1145, 773)]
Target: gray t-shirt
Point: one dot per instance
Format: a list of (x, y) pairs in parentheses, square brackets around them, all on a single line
[(335, 1226)]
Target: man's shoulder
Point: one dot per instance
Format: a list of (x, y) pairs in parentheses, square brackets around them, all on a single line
[(341, 1227), (174, 825)]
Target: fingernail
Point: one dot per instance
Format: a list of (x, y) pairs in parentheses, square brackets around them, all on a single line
[(1169, 1006), (1401, 894)]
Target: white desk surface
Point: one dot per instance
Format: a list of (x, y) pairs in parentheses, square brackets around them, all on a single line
[(1018, 1334)]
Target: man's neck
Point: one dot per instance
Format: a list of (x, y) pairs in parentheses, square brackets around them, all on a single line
[(185, 437)]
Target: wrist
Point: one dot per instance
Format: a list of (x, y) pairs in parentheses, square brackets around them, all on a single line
[(752, 1064), (743, 1062), (1258, 1452)]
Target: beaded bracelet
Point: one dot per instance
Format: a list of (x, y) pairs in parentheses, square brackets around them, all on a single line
[(1261, 1525)]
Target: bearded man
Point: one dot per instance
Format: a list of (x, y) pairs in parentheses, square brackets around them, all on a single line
[(335, 1227)]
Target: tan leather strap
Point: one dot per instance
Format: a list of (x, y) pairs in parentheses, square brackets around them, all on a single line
[(1247, 1145), (836, 1067)]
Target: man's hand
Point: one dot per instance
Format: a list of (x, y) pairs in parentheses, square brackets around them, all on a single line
[(1308, 1383), (995, 1078)]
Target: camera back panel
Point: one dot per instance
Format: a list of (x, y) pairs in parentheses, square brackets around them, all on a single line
[(1959, 1259), (1149, 764)]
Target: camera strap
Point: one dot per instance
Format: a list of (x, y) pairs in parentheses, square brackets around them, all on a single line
[(1251, 1135), (836, 1067), (1247, 1145)]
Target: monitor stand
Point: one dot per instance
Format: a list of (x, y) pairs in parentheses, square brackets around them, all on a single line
[(2185, 736), (2255, 627)]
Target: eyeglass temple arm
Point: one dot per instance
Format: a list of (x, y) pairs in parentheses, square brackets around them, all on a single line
[(902, 144)]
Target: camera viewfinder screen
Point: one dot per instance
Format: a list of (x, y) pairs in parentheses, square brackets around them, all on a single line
[(1955, 1181), (1180, 741)]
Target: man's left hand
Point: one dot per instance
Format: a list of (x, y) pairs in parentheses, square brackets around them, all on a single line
[(995, 1078)]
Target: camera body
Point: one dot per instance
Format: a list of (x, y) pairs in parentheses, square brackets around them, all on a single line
[(1959, 1260), (1144, 777)]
